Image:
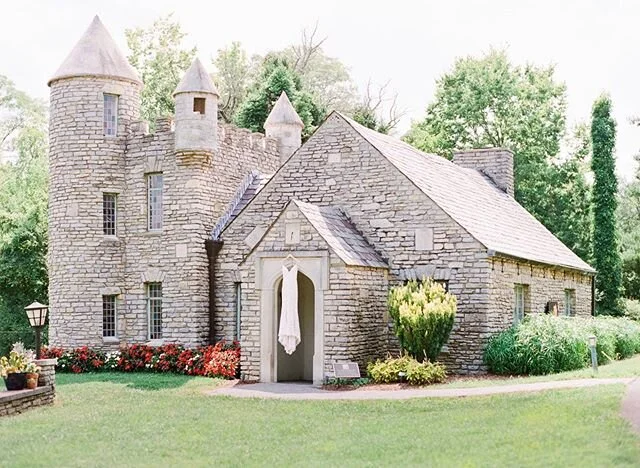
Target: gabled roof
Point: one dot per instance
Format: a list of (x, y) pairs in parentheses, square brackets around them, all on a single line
[(196, 80), (283, 113), (487, 213), (249, 188), (96, 54), (341, 235)]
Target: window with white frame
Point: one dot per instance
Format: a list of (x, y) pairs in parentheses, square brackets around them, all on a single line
[(569, 302), (154, 199), (519, 308), (110, 119), (109, 206), (109, 316), (154, 309)]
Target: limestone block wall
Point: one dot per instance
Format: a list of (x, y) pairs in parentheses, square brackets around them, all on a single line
[(354, 302), (543, 284), (198, 186), (13, 403), (84, 164), (340, 168)]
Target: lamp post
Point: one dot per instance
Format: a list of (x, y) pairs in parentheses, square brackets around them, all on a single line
[(594, 354), (37, 314)]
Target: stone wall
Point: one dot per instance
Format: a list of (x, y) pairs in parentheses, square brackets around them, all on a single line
[(13, 403), (84, 164), (543, 284), (84, 264), (340, 168)]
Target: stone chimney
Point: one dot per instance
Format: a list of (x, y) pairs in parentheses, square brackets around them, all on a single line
[(495, 163), (285, 125)]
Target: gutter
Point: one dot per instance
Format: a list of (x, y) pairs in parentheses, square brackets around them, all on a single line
[(213, 248)]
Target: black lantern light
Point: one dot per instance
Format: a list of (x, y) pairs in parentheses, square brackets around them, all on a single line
[(37, 314)]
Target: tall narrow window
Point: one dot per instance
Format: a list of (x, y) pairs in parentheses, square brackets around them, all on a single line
[(110, 119), (518, 309), (109, 207), (154, 309), (238, 309), (569, 300), (154, 185), (108, 316), (199, 105)]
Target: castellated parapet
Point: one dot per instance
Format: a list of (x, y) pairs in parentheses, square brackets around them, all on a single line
[(198, 182)]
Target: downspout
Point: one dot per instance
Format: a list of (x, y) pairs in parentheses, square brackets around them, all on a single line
[(593, 295), (213, 248)]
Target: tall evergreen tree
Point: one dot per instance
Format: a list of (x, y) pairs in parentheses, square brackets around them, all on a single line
[(606, 255)]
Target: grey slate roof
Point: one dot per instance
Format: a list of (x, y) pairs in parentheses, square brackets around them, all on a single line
[(283, 112), (249, 188), (96, 54), (490, 215), (196, 79), (341, 235)]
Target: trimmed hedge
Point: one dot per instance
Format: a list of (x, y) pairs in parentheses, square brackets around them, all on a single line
[(415, 373), (544, 344)]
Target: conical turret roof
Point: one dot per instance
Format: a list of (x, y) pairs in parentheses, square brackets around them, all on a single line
[(96, 54), (196, 80), (283, 113)]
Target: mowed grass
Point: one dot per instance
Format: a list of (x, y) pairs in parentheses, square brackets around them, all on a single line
[(166, 420), (624, 368)]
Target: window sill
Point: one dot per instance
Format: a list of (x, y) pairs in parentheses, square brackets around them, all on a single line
[(107, 238), (111, 340), (159, 342)]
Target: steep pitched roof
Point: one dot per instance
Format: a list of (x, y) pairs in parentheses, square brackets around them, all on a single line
[(341, 235), (490, 215), (249, 188), (96, 54), (283, 112), (196, 79)]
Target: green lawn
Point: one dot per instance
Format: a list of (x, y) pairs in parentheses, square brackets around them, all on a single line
[(153, 420), (625, 368)]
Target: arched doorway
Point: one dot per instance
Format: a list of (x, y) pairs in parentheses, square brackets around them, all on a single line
[(299, 365)]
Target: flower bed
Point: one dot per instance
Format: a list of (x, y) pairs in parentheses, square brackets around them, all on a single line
[(221, 360)]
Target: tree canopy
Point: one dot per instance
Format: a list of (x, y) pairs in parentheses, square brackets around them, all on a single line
[(489, 102), (159, 57)]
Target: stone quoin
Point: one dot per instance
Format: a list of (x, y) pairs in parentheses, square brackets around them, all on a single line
[(179, 236)]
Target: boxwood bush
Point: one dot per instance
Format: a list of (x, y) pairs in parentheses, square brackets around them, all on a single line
[(423, 314), (544, 344), (393, 370)]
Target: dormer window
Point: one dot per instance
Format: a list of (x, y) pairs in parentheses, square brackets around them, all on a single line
[(110, 114), (199, 105)]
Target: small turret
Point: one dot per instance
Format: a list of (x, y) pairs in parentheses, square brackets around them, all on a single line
[(284, 124), (196, 110)]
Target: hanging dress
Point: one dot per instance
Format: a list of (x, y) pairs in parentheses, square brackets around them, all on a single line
[(289, 331)]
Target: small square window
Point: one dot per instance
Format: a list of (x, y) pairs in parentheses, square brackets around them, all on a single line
[(110, 118), (199, 105), (109, 316)]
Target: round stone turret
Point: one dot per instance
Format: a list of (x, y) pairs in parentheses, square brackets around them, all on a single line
[(196, 111), (284, 124), (94, 96)]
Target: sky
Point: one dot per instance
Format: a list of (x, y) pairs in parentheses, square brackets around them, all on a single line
[(412, 43)]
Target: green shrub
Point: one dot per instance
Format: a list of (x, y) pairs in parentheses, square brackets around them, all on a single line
[(423, 314), (545, 344), (632, 309), (415, 373)]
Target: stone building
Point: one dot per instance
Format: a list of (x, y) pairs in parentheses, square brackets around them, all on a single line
[(180, 235)]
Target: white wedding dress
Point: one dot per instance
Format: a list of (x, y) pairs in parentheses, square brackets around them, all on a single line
[(289, 331)]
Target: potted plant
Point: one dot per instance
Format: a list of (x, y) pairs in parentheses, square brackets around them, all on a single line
[(31, 372), (13, 368)]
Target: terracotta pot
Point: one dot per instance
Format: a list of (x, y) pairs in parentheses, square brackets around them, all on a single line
[(15, 381), (32, 381)]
